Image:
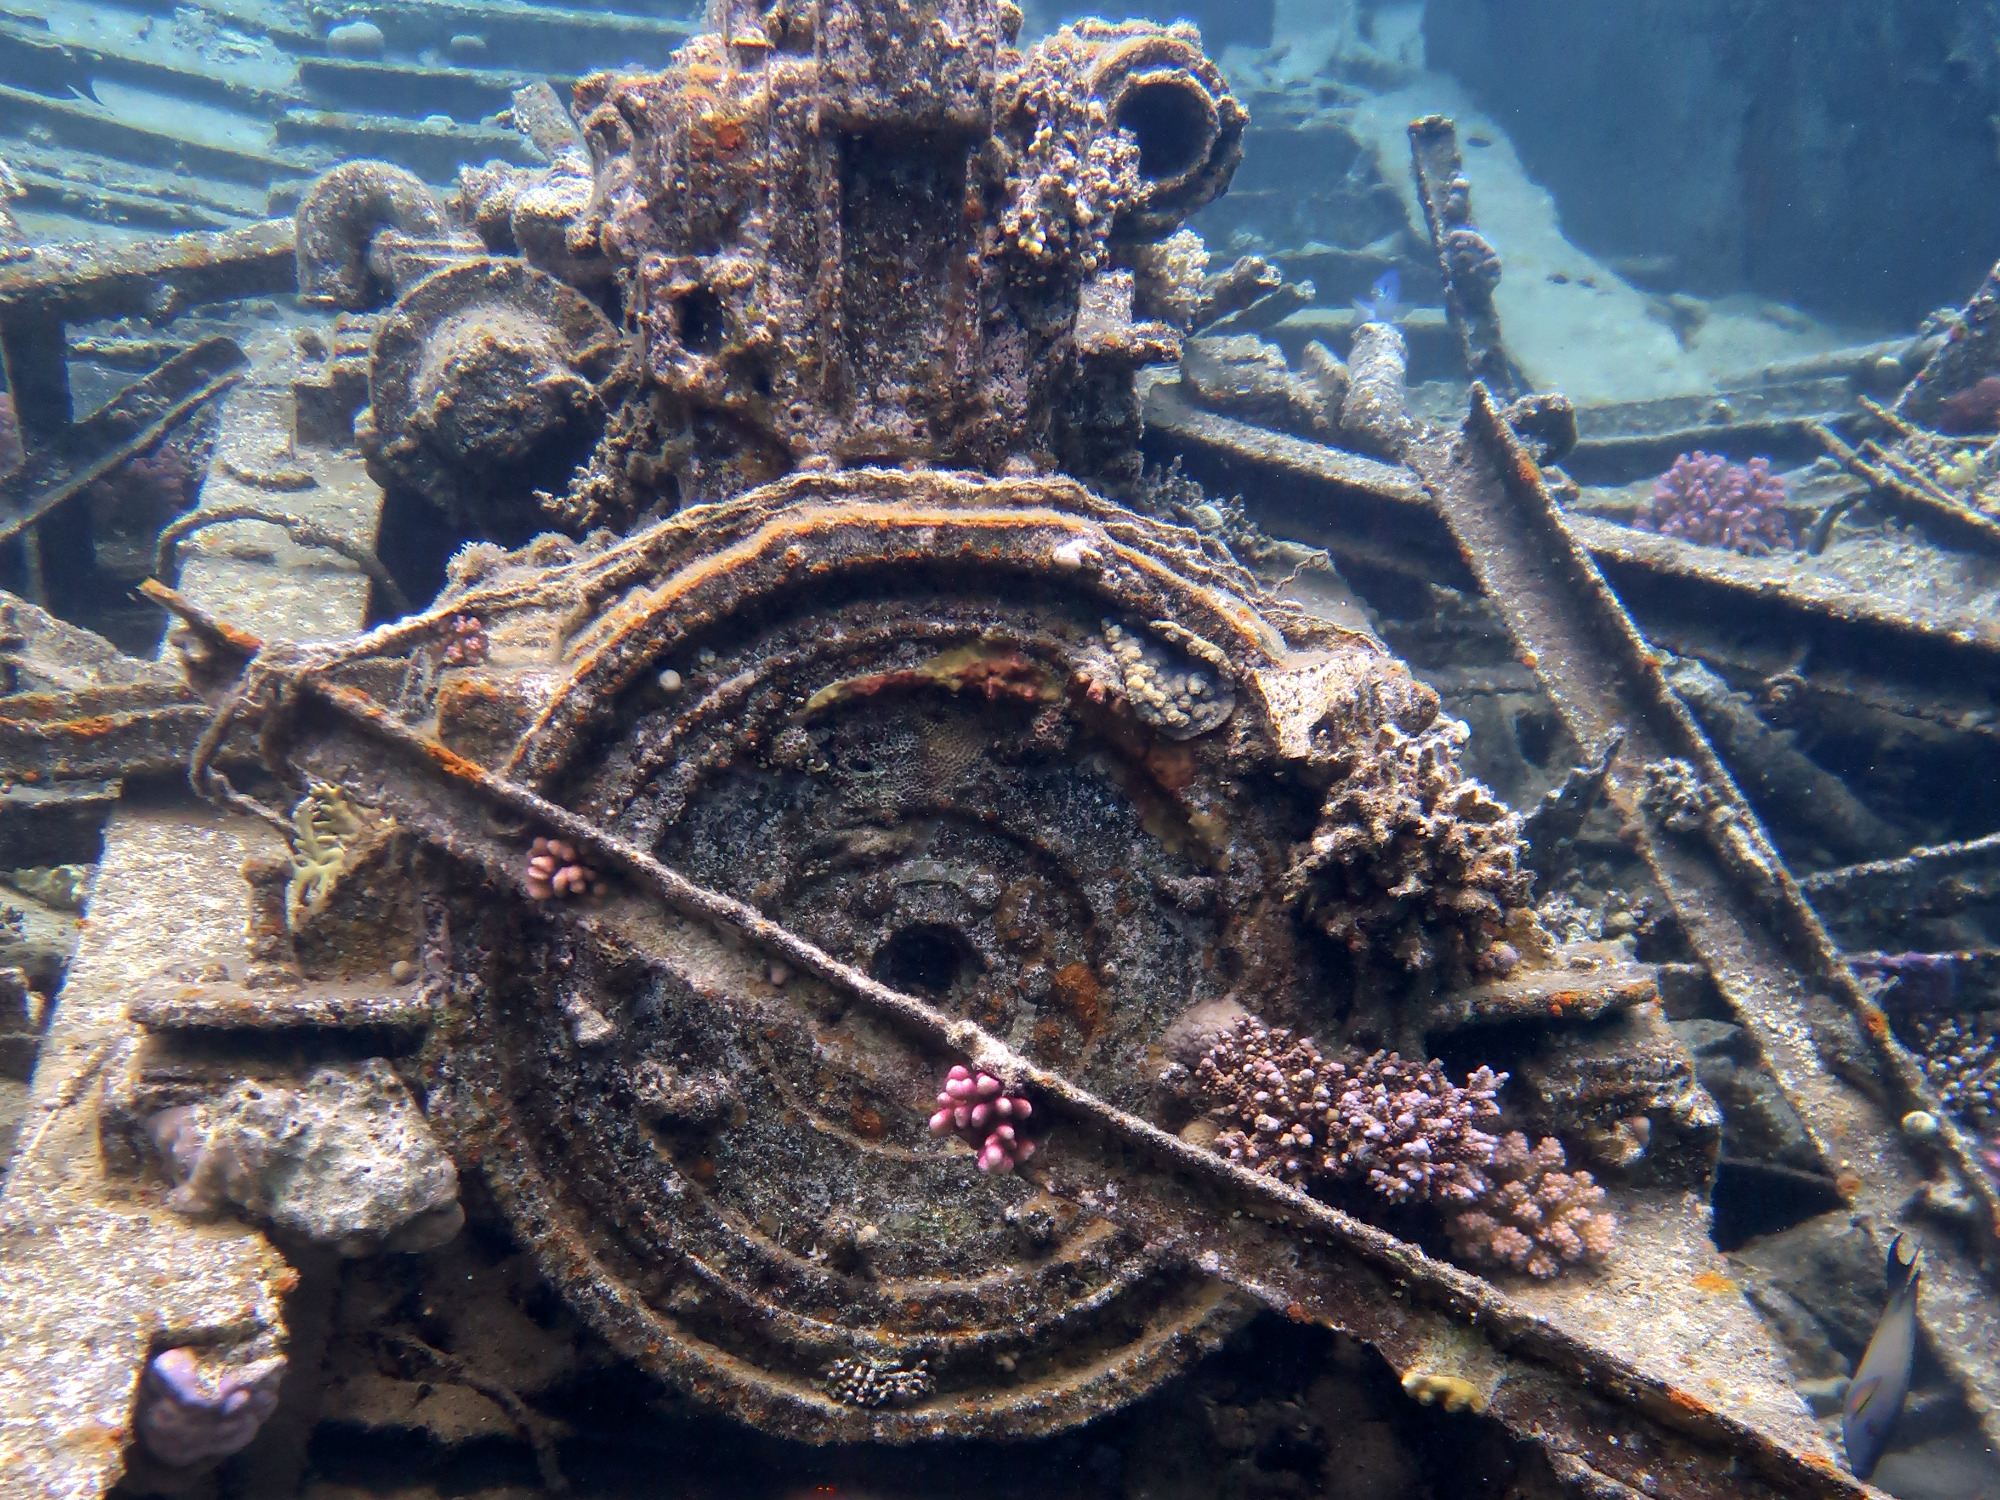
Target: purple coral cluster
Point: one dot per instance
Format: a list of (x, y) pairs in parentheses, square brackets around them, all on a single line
[(1705, 498), (978, 1108), (191, 1411), (1412, 1135), (1403, 1127), (1537, 1217)]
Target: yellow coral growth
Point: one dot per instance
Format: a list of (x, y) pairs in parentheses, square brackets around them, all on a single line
[(328, 832), (1453, 1393)]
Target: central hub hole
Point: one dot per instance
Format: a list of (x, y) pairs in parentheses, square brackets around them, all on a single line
[(929, 958)]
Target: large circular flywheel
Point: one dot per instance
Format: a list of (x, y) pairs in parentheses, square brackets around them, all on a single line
[(1006, 748)]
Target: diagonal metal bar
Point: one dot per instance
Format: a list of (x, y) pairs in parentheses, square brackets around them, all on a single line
[(1447, 201), (1950, 523), (83, 282), (124, 427), (1739, 906), (1583, 1403)]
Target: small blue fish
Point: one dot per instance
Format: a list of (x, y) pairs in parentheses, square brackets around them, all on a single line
[(1384, 303), (1875, 1396)]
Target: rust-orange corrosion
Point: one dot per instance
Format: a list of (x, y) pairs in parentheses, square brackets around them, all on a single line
[(89, 728), (1079, 993), (996, 674)]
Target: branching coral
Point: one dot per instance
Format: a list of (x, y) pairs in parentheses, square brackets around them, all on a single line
[(1411, 857), (1704, 498), (977, 1107), (1410, 1133), (1536, 1217), (1402, 1127), (465, 643)]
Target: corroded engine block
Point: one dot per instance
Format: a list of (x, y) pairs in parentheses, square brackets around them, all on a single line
[(863, 234), (838, 235)]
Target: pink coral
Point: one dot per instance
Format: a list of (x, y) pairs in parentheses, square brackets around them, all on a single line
[(1402, 1127), (465, 643), (979, 1109), (555, 870), (1537, 1217), (1704, 498)]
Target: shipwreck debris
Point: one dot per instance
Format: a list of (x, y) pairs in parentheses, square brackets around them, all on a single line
[(1741, 910), (865, 744), (1466, 262)]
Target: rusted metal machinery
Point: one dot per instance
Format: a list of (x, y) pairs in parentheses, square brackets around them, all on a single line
[(659, 878)]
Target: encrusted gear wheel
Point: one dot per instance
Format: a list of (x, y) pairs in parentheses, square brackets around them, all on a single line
[(487, 381), (1008, 748)]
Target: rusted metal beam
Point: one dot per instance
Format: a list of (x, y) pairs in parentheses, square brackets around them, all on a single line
[(1760, 584), (1301, 489), (74, 709), (1354, 506), (1741, 910), (84, 282), (1946, 521), (70, 460), (1932, 881), (132, 730), (52, 286), (1468, 296)]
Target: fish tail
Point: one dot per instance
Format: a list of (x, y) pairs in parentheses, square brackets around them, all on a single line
[(1904, 1275)]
